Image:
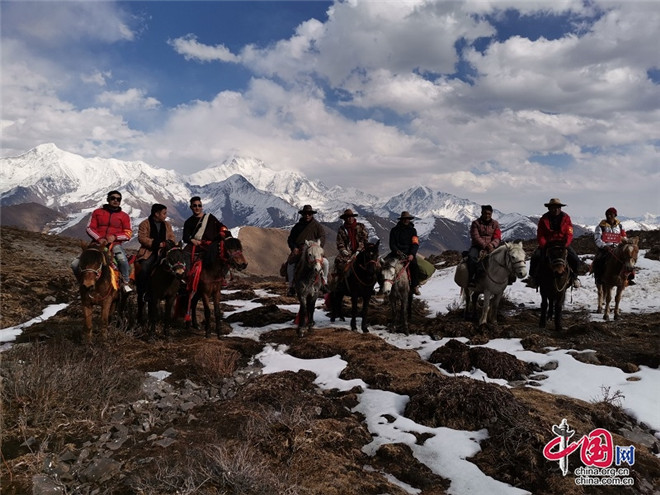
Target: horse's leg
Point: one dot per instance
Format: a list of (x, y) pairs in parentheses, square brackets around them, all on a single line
[(365, 310), (354, 303), (217, 312), (559, 305), (599, 309), (544, 309), (207, 314), (406, 308), (617, 300), (106, 305), (608, 300), (193, 310), (494, 306), (311, 306), (302, 315), (140, 305), (152, 306), (167, 316), (87, 332), (484, 311)]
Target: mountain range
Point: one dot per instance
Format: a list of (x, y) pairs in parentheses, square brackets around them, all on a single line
[(50, 190)]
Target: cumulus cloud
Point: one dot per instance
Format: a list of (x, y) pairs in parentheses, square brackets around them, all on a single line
[(191, 49), (133, 98)]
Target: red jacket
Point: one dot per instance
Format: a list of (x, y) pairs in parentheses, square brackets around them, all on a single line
[(105, 222), (545, 234)]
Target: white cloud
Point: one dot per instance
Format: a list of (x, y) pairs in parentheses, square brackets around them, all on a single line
[(191, 49), (131, 98), (97, 77)]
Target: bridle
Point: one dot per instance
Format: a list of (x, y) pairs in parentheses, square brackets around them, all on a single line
[(364, 267), (509, 264), (96, 271), (398, 274), (172, 267)]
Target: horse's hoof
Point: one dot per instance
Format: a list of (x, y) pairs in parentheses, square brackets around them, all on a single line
[(365, 330), (332, 319)]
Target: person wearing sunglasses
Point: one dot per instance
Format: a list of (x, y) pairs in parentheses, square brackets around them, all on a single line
[(307, 229), (201, 229), (109, 225)]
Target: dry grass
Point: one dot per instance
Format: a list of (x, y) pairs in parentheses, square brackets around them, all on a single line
[(215, 362)]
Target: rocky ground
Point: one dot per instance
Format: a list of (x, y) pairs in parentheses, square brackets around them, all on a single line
[(85, 420)]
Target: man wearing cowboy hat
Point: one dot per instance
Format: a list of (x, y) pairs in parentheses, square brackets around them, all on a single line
[(404, 244), (555, 226), (307, 229), (485, 236), (608, 234), (351, 239)]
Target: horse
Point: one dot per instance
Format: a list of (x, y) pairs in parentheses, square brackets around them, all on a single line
[(222, 256), (163, 285), (359, 279), (554, 277), (396, 286), (98, 286), (617, 267), (501, 267), (308, 280)]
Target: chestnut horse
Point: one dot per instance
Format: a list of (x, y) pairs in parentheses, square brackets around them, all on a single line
[(358, 282), (617, 267), (97, 287), (219, 259), (554, 277)]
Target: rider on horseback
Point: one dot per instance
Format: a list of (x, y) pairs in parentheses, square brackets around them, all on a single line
[(201, 229), (352, 236), (153, 234), (404, 244), (486, 235), (554, 226), (608, 234), (109, 225), (307, 229)]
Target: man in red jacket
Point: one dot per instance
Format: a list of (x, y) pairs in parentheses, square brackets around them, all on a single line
[(555, 226), (110, 225)]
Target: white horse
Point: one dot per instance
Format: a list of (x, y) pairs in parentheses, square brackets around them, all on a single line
[(308, 281), (396, 286), (500, 266)]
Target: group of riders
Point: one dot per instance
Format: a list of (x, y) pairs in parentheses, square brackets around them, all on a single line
[(554, 227), (110, 226)]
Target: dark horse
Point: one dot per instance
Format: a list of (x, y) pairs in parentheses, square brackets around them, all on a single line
[(620, 263), (308, 280), (163, 285), (554, 277), (97, 287), (219, 259), (358, 282)]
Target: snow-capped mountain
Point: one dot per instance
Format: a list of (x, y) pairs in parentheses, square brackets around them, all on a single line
[(241, 191)]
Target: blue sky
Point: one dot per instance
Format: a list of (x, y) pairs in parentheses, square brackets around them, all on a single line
[(504, 102)]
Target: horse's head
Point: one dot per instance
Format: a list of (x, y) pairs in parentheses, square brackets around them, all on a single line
[(556, 255), (516, 255), (92, 261), (388, 272), (369, 257), (628, 252), (313, 255), (234, 253), (175, 261)]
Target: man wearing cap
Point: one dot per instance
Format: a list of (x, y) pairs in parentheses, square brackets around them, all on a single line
[(555, 226), (608, 234), (404, 244), (486, 235), (307, 229), (351, 239)]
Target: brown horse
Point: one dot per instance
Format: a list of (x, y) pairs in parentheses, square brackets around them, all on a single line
[(554, 277), (219, 259), (97, 287), (617, 267)]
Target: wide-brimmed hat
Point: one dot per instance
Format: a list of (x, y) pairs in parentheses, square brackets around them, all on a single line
[(404, 215), (348, 213), (307, 209), (554, 202), (487, 208)]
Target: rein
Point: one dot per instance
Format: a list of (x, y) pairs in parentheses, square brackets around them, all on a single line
[(364, 268), (508, 264), (398, 274)]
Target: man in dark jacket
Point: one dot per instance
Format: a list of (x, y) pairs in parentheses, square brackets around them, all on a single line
[(307, 229), (201, 229), (404, 244), (153, 234), (485, 236)]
